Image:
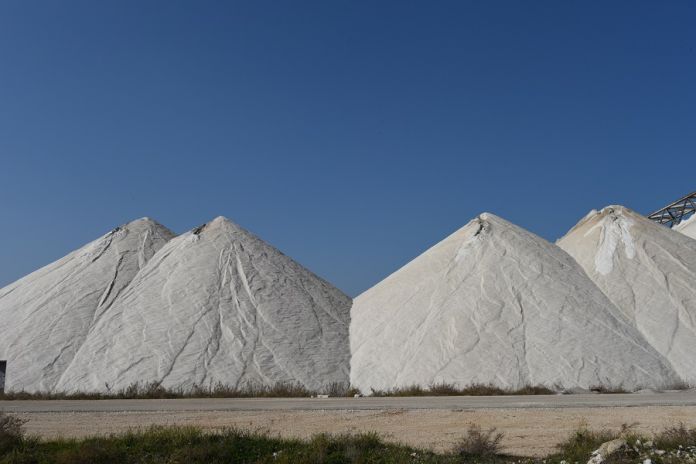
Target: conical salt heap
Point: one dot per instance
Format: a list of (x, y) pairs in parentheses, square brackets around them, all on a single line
[(649, 272), (217, 304), (45, 316), (493, 303)]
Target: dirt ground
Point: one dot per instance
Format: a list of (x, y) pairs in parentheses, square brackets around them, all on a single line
[(530, 432)]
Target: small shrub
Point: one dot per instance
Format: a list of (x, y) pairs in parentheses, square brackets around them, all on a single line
[(580, 445), (608, 389), (678, 386), (480, 443), (285, 390), (412, 390), (352, 391), (481, 389), (443, 389), (533, 390), (339, 389), (11, 433), (674, 437)]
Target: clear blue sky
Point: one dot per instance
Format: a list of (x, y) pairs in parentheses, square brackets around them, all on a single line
[(351, 135)]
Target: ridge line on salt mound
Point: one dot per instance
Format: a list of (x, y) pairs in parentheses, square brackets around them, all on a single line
[(610, 239)]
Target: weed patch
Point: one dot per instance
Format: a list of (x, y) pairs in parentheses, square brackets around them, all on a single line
[(11, 433), (480, 443)]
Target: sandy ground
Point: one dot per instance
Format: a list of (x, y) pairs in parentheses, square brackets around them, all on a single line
[(532, 432)]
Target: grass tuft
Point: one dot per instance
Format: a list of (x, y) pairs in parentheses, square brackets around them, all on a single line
[(580, 445), (680, 386), (674, 437), (480, 443), (11, 433), (608, 389), (679, 444)]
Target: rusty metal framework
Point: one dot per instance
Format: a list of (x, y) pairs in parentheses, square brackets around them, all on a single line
[(674, 213)]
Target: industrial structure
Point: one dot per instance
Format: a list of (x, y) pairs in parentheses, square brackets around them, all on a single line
[(675, 212)]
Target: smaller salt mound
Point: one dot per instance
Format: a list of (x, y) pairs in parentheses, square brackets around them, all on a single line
[(218, 305), (493, 303), (45, 316), (649, 272), (687, 226)]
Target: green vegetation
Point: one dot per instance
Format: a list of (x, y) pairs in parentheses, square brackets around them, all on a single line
[(674, 445), (673, 437), (189, 445), (11, 435), (480, 444), (580, 445), (608, 389)]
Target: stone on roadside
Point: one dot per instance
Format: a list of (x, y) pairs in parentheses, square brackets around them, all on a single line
[(606, 449)]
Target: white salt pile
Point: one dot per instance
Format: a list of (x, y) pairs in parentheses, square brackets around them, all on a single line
[(649, 272), (493, 303), (217, 304), (45, 316)]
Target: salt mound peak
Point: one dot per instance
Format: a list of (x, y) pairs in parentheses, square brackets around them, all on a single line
[(494, 303), (615, 222), (217, 223), (45, 316), (648, 271), (224, 229), (218, 304), (222, 220), (144, 219)]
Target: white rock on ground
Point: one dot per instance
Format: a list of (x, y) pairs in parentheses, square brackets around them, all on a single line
[(45, 316), (493, 303), (649, 272), (217, 304)]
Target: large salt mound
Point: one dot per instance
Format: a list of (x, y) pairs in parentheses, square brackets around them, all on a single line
[(649, 272), (493, 303), (45, 316), (217, 304), (687, 226)]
